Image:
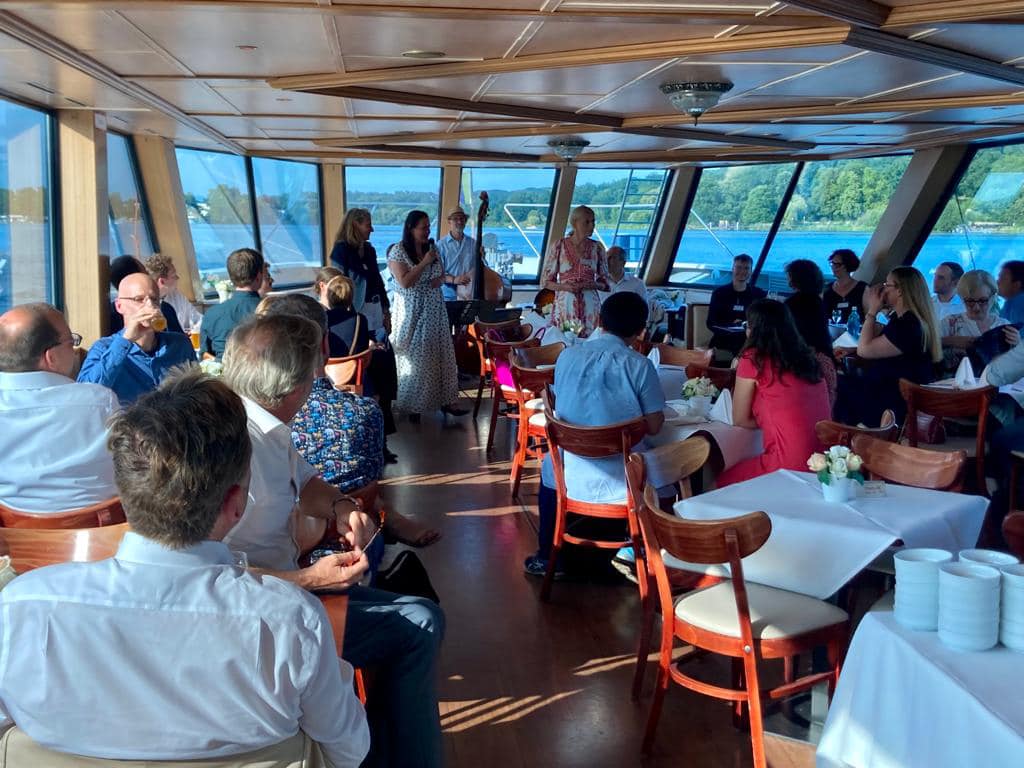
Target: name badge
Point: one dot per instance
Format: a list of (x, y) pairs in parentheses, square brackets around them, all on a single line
[(739, 308), (843, 304), (873, 489)]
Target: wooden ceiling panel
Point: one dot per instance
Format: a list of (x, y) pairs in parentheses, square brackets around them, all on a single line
[(976, 115), (36, 75), (235, 127), (455, 87), (206, 40), (88, 30), (961, 85), (525, 5), (552, 38), (576, 81), (999, 42), (139, 63), (294, 122), (365, 36), (256, 97), (817, 54), (360, 107), (388, 127), (188, 95)]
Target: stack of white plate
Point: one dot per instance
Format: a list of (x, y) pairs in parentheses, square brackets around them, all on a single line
[(987, 557), (1011, 625), (917, 587), (968, 606)]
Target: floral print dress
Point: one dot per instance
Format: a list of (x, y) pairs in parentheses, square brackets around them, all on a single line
[(569, 263)]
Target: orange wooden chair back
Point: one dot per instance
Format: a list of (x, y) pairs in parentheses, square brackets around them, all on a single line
[(835, 433), (903, 465), (1013, 532), (107, 512), (526, 373), (36, 547), (723, 378), (954, 403), (347, 372), (509, 329), (669, 355)]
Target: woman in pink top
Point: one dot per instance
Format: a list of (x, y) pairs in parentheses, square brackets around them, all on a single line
[(779, 390)]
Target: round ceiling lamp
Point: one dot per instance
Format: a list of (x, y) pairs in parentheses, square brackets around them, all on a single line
[(568, 149), (695, 98)]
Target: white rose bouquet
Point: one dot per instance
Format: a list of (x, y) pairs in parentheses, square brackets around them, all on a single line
[(572, 326), (218, 284), (700, 387), (212, 367), (839, 462)]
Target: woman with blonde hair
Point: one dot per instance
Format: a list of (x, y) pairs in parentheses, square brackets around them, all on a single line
[(960, 331), (347, 333), (907, 347), (576, 268), (323, 276)]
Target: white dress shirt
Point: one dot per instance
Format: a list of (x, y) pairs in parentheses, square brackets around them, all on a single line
[(53, 442), (628, 283), (945, 308), (160, 654), (279, 473)]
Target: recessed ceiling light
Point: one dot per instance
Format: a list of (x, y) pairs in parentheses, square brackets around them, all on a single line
[(247, 48), (418, 54)]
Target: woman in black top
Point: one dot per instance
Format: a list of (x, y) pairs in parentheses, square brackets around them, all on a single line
[(347, 334), (908, 347), (846, 293)]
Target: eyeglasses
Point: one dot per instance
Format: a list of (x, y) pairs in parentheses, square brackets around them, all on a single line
[(977, 302), (836, 263), (76, 340), (152, 299), (889, 285)]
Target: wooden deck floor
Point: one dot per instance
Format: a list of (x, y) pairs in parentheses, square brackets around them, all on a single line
[(523, 683)]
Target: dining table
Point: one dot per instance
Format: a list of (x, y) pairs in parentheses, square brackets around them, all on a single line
[(905, 700), (816, 546)]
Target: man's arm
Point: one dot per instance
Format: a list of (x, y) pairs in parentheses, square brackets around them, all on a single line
[(319, 498), (338, 571), (1007, 368), (104, 361)]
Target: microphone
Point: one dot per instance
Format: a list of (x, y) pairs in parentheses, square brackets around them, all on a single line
[(430, 244)]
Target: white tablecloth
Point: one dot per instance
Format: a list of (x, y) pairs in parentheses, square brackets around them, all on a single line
[(904, 700), (734, 443), (816, 546)]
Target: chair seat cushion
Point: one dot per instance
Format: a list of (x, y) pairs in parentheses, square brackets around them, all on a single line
[(537, 404), (539, 420), (774, 613)]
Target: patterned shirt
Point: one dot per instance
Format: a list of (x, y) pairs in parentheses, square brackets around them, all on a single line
[(342, 435)]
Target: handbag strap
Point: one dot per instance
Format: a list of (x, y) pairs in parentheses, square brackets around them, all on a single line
[(355, 335)]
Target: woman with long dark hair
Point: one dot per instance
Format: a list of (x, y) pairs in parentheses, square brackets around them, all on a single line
[(420, 334), (807, 282), (780, 390)]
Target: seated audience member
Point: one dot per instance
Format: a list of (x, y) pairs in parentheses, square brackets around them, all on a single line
[(138, 357), (271, 362), (54, 436), (1011, 288), (618, 279), (945, 283), (599, 383), (846, 293), (192, 657), (249, 273), (908, 347), (348, 334), (120, 268), (808, 313), (959, 331), (728, 308), (320, 280), (162, 269), (779, 390)]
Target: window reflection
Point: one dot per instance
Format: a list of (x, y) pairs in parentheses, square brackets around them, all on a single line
[(129, 227), (288, 211)]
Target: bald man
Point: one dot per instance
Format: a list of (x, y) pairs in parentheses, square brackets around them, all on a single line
[(618, 279), (53, 433), (135, 360)]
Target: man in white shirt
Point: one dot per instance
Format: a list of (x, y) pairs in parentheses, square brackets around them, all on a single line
[(946, 299), (53, 433), (618, 280), (169, 651), (271, 361), (458, 256), (163, 271)]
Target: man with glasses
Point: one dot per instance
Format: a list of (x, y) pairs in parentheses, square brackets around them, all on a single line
[(136, 359), (53, 433), (728, 308)]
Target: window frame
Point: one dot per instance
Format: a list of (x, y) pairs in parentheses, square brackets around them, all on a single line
[(54, 262), (133, 163)]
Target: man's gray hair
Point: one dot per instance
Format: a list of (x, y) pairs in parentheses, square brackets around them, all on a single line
[(294, 304), (268, 357), (22, 346)]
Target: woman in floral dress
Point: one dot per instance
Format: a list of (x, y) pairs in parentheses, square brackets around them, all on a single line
[(576, 268), (420, 334)]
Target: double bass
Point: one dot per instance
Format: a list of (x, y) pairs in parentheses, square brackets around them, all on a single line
[(487, 284)]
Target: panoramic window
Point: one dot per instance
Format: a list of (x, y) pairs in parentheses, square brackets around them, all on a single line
[(26, 231), (731, 214), (837, 204), (129, 224), (389, 193), (288, 212), (983, 222), (625, 203), (515, 232), (218, 206)]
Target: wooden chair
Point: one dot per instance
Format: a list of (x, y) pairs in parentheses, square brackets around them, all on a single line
[(592, 443), (951, 403), (684, 358), (34, 548), (498, 353), (723, 378), (687, 457), (1013, 532), (528, 379), (915, 467), (107, 512), (347, 372), (697, 333), (745, 622), (834, 433), (478, 331)]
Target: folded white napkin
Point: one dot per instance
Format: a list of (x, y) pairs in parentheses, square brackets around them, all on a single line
[(553, 335), (965, 378), (722, 409), (654, 356), (846, 340)]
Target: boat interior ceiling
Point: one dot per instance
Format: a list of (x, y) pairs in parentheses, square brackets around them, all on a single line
[(485, 81)]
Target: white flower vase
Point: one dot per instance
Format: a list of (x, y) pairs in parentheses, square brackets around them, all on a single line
[(838, 490), (700, 404), (223, 295)]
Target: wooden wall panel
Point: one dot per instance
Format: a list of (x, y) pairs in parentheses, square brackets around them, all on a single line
[(333, 203), (451, 179)]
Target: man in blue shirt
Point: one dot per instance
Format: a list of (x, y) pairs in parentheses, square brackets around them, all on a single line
[(137, 358), (599, 383), (1010, 285), (458, 256), (248, 272)]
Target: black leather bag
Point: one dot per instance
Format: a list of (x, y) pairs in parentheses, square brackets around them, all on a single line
[(407, 576)]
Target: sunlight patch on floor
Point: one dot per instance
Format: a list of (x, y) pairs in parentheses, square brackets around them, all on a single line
[(488, 512), (485, 477), (463, 715)]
